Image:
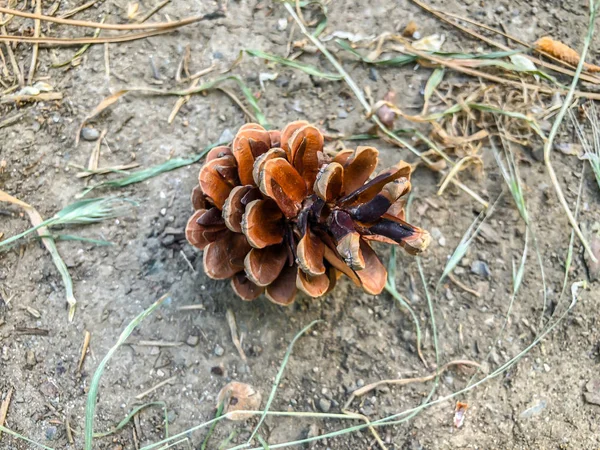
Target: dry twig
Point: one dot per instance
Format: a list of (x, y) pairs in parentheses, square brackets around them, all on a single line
[(86, 343), (4, 408), (154, 388), (234, 334)]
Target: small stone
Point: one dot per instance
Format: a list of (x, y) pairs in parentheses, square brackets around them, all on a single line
[(49, 390), (342, 114), (226, 136), (160, 373), (360, 383), (90, 134), (192, 341), (30, 360), (51, 433), (372, 74), (592, 398), (168, 240), (219, 351), (171, 416), (312, 431), (480, 268), (488, 233), (324, 405), (163, 212), (218, 370), (282, 24)]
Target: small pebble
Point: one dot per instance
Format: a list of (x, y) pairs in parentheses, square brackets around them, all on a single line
[(219, 351), (30, 360), (282, 24), (51, 433), (163, 212), (481, 268), (192, 341), (226, 136), (171, 415), (90, 134), (168, 240), (324, 405), (372, 74)]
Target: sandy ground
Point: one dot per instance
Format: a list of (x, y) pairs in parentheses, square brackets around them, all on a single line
[(537, 403)]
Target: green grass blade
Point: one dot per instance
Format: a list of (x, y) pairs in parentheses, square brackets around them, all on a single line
[(90, 409), (23, 438), (130, 416), (390, 286), (280, 374), (433, 82), (211, 430), (307, 68), (71, 237), (92, 210), (144, 174), (262, 441), (79, 52)]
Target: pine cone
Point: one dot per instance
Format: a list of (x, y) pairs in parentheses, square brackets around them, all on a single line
[(275, 214)]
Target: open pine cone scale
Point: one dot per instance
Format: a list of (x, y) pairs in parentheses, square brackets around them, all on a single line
[(275, 214)]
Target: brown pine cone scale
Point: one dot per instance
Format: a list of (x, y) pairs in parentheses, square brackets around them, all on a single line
[(274, 214)]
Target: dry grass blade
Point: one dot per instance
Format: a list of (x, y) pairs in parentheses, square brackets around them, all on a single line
[(234, 334), (555, 126), (14, 119), (454, 171), (111, 26), (155, 387), (4, 408), (11, 55), (37, 221), (36, 33), (404, 381), (86, 343), (67, 42), (154, 10), (74, 11), (21, 98)]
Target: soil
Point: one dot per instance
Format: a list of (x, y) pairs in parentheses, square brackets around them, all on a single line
[(538, 403)]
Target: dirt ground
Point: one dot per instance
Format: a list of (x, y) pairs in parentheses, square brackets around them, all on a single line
[(538, 404)]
